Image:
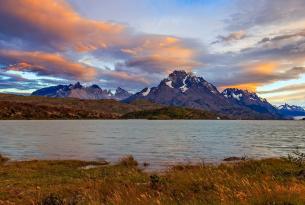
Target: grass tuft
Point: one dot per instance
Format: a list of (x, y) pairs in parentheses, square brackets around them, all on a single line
[(128, 161)]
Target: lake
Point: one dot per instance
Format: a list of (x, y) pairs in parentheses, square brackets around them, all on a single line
[(161, 143)]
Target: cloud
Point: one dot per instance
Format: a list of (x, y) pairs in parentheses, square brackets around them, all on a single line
[(256, 13), (234, 36), (46, 64), (53, 24), (298, 96), (16, 82), (252, 75), (161, 54), (278, 57), (289, 88)]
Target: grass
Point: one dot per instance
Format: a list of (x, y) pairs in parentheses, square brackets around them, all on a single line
[(267, 181)]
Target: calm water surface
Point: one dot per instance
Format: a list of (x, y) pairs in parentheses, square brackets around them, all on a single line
[(161, 143)]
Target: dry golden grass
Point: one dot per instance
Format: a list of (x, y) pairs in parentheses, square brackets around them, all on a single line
[(268, 181)]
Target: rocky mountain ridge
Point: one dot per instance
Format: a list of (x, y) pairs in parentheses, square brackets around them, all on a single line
[(291, 110), (93, 92), (184, 89)]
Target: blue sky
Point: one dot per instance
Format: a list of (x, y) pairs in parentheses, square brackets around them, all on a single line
[(257, 45)]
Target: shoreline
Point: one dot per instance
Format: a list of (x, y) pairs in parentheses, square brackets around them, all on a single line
[(142, 164), (247, 181)]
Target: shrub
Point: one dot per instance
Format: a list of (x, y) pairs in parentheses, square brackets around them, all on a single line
[(297, 157), (154, 181), (52, 199), (128, 161)]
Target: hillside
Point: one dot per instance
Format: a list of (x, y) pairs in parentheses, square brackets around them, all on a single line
[(27, 111), (34, 107), (168, 113)]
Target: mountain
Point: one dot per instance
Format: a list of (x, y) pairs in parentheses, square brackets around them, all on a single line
[(121, 94), (291, 110), (250, 100), (184, 89), (93, 92)]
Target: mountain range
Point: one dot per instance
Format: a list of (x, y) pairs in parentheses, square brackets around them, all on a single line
[(182, 89), (291, 110), (93, 92)]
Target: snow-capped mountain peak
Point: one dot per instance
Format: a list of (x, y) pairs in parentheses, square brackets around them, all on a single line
[(291, 110), (249, 99), (183, 81), (238, 94), (291, 107)]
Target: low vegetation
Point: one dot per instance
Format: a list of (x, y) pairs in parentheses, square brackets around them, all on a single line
[(267, 181), (15, 107), (168, 113)]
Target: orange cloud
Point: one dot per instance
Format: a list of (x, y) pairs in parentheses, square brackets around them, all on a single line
[(252, 87), (262, 73), (265, 68), (47, 64), (57, 23), (162, 54)]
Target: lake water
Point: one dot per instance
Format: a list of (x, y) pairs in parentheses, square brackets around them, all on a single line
[(161, 143)]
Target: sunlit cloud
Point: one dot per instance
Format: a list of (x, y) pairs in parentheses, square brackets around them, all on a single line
[(53, 24), (231, 38), (46, 64), (289, 88)]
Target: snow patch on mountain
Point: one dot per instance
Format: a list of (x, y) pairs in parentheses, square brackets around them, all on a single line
[(184, 87), (169, 83), (237, 97), (146, 92)]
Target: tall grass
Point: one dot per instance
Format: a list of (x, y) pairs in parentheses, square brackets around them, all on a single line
[(268, 181)]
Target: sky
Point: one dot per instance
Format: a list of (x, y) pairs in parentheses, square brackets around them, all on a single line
[(258, 45)]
